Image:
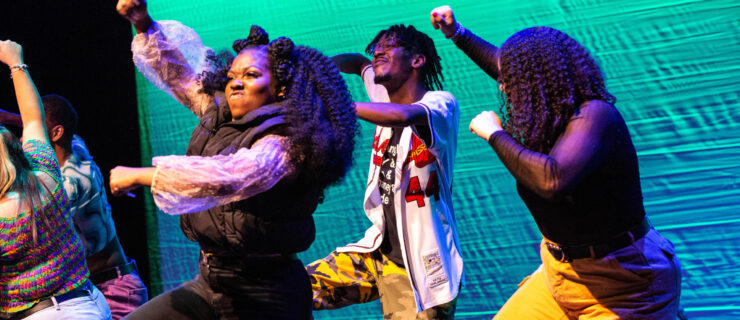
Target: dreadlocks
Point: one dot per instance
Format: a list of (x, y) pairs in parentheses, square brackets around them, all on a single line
[(415, 42)]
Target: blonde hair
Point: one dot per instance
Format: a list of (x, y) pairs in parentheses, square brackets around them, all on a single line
[(8, 171), (16, 175)]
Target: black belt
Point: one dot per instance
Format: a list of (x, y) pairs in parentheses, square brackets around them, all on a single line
[(245, 261), (570, 253), (82, 291), (114, 272)]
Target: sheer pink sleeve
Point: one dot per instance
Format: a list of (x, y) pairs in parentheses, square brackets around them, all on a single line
[(186, 184), (171, 55)]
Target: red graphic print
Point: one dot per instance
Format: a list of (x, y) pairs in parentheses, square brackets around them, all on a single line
[(414, 192), (419, 153), (379, 150)]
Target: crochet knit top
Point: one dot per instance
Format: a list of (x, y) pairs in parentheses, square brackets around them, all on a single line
[(54, 264)]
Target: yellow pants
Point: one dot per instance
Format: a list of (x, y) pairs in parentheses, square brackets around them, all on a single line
[(640, 281), (342, 279)]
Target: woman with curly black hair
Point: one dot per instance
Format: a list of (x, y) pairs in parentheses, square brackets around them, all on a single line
[(277, 126), (576, 170)]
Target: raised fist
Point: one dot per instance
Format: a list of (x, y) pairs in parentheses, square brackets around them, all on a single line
[(443, 18), (11, 53), (135, 11)]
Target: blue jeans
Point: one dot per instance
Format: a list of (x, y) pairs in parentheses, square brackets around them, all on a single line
[(88, 307)]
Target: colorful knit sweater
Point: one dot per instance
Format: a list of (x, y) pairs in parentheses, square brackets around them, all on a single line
[(55, 264)]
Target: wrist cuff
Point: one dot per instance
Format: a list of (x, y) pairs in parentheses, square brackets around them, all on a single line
[(495, 135), (459, 30)]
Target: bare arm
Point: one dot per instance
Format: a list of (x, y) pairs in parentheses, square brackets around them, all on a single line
[(125, 179), (351, 63), (29, 101), (391, 114)]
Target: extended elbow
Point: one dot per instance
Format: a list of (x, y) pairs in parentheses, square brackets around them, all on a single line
[(551, 190), (551, 186)]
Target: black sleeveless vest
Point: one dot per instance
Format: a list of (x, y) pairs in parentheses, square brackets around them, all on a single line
[(276, 221)]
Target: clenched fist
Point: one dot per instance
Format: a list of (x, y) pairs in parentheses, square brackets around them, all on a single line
[(11, 53), (135, 11), (125, 179), (485, 124), (443, 18)]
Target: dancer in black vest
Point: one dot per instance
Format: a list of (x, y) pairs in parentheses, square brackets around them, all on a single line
[(277, 126)]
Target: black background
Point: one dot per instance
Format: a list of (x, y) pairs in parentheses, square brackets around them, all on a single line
[(81, 50)]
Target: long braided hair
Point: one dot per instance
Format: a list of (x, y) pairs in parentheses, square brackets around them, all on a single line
[(546, 75), (315, 100)]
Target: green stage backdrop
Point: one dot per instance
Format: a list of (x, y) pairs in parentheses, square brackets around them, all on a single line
[(673, 65)]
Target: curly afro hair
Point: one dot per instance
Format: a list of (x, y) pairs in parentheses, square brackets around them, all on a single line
[(546, 75), (315, 99)]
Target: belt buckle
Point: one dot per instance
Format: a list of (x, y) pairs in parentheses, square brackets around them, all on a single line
[(557, 252)]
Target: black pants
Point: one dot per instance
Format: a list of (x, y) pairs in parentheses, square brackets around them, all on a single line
[(260, 291)]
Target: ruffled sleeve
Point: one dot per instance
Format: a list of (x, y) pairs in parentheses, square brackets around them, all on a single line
[(171, 55), (186, 184)]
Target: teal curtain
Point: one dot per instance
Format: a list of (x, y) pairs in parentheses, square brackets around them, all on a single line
[(673, 65)]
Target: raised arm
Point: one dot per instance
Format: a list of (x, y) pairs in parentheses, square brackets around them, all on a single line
[(352, 63), (169, 54), (380, 111), (29, 101), (136, 12), (483, 53)]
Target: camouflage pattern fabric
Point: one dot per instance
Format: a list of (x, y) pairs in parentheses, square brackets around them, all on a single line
[(342, 279)]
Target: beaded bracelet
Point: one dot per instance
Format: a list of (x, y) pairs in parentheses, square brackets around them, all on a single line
[(17, 67)]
